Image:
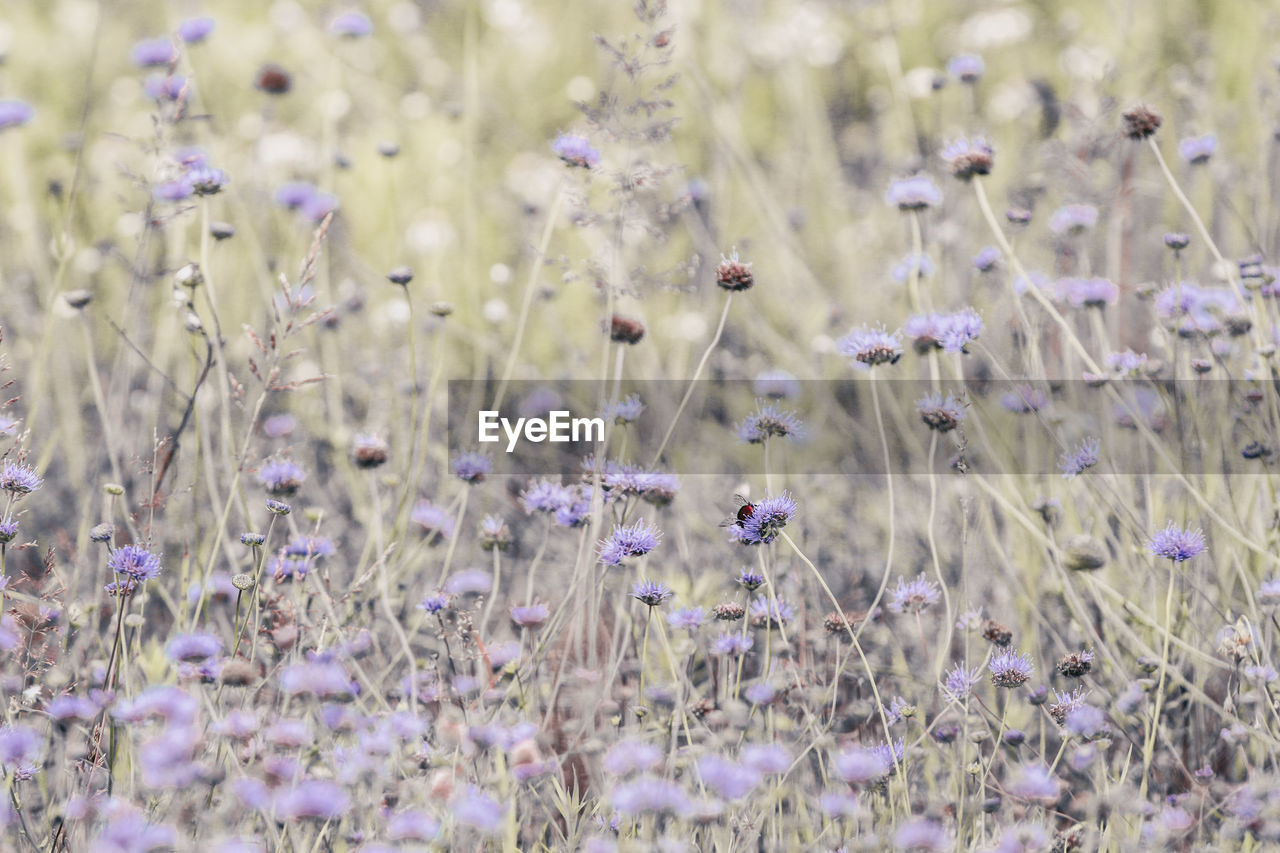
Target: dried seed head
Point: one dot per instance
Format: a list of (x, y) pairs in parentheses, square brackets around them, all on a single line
[(400, 275), (997, 634), (1140, 122), (839, 624), (733, 274), (102, 532), (369, 451), (1076, 664), (729, 611), (242, 582), (273, 80), (625, 330), (238, 672), (221, 230)]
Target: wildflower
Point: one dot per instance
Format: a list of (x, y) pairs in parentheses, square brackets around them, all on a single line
[(966, 67), (435, 602), (530, 615), (949, 332), (545, 496), (838, 804), (899, 709), (1065, 703), (913, 597), (768, 517), (917, 192), (1176, 543), (1238, 640), (1177, 241), (193, 647), (986, 259), (1269, 592), (494, 534), (294, 194), (760, 693), (1085, 721), (968, 157), (1077, 664), (67, 707), (768, 421), (727, 778), (471, 467), (318, 799), (841, 624), (772, 614), (769, 758), (400, 275), (625, 330), (1024, 399), (281, 478), (166, 87), (1197, 150), (776, 385), (860, 765), (369, 451), (434, 520), (1077, 461), (628, 756), (870, 347), (351, 25), (687, 618), (207, 181), (625, 411), (575, 151), (20, 746), (15, 113), (1034, 782), (940, 413), (635, 540), (922, 834), (959, 683), (318, 206), (1010, 668), (151, 53), (278, 507), (648, 794), (1140, 122), (917, 264), (134, 565), (1073, 219), (732, 644), (729, 611), (325, 679), (651, 593), (750, 581), (18, 479), (412, 825), (468, 582), (8, 530), (196, 30), (734, 275), (1087, 292)]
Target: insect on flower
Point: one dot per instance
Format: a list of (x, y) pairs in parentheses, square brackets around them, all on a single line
[(746, 509)]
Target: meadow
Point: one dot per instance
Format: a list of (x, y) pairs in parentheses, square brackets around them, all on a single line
[(934, 351)]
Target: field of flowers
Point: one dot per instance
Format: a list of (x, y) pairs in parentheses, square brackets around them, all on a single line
[(932, 350)]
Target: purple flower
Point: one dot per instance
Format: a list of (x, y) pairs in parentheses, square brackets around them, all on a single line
[(968, 157), (1010, 668), (768, 758), (778, 612), (152, 53), (295, 194), (732, 644), (1085, 721), (318, 206), (206, 180), (913, 597), (471, 467), (1087, 292), (8, 529), (1073, 219), (838, 803), (530, 615), (760, 693), (434, 520), (468, 581), (1177, 543), (127, 830), (768, 421), (626, 410), (650, 794), (1197, 150), (193, 647), (474, 808), (1024, 399), (959, 683), (776, 385), (195, 30), (651, 593), (1269, 592), (687, 618), (966, 67), (20, 746), (941, 413), (412, 825), (922, 834), (351, 25), (135, 565), (575, 151), (656, 487), (1034, 782), (166, 87), (18, 479), (768, 518), (728, 779), (859, 765), (917, 192), (281, 478), (68, 707), (1077, 461), (1127, 361), (177, 189), (319, 799), (986, 259), (920, 265), (324, 679), (545, 496), (627, 756), (750, 581), (869, 347), (950, 332), (435, 603), (15, 113), (635, 540)]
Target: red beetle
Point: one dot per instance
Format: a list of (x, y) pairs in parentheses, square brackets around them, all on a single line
[(746, 509)]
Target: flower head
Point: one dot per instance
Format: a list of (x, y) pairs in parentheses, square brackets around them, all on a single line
[(959, 683), (968, 157), (768, 421), (18, 479), (471, 467), (1084, 457), (1177, 543), (1087, 292), (152, 53), (651, 593), (733, 274), (575, 150), (1140, 122), (435, 602), (751, 581), (914, 596), (941, 413), (768, 517), (351, 25), (966, 67), (917, 192), (15, 113), (435, 521), (771, 614), (634, 540), (530, 615), (1010, 668), (133, 565), (687, 618), (869, 347), (1197, 150), (732, 644), (626, 410), (196, 30), (281, 478)]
